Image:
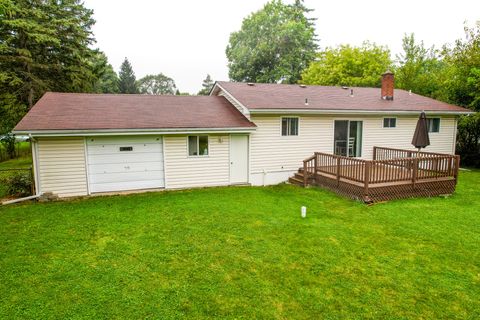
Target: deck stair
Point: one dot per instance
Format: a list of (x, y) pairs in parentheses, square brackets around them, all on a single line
[(298, 178)]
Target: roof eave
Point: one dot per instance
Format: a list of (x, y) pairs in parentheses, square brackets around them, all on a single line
[(124, 132), (355, 112)]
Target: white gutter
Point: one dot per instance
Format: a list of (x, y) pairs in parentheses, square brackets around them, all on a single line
[(354, 112), (120, 132)]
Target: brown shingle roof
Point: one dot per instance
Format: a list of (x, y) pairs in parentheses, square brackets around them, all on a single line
[(290, 96), (79, 111)]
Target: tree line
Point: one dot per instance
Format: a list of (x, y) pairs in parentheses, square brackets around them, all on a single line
[(48, 46), (156, 84)]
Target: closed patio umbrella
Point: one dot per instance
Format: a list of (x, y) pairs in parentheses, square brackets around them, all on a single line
[(420, 137)]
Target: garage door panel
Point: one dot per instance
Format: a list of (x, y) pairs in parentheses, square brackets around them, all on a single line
[(132, 185), (125, 167), (124, 158), (123, 139), (110, 169), (126, 177), (115, 148)]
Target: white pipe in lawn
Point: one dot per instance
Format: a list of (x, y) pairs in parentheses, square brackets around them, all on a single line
[(304, 211)]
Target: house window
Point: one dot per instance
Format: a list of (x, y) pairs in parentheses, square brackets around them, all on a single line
[(433, 124), (289, 126), (389, 122), (198, 145)]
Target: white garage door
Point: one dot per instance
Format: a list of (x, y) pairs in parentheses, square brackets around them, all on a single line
[(125, 163)]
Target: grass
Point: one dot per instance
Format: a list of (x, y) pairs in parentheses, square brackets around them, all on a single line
[(22, 149), (243, 252), (24, 162)]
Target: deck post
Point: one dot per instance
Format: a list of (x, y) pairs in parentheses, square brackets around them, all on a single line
[(338, 170), (366, 178), (315, 166), (374, 153), (457, 166), (415, 171), (305, 174), (449, 167)]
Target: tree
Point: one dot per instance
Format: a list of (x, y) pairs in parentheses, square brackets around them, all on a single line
[(206, 86), (419, 69), (273, 45), (126, 78), (462, 86), (178, 93), (349, 66), (468, 140), (106, 80), (44, 45), (157, 84)]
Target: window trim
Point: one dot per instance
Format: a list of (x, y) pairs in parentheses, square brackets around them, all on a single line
[(383, 122), (198, 146), (439, 124), (298, 126)]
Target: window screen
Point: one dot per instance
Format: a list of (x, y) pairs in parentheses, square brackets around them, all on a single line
[(289, 126), (433, 124), (389, 122), (198, 145)]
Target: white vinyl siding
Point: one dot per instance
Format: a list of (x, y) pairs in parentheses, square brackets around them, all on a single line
[(183, 171), (61, 166), (270, 151), (401, 137)]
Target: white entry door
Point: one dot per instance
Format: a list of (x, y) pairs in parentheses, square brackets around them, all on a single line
[(238, 159), (125, 163)]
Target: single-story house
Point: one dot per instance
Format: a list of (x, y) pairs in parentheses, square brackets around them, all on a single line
[(243, 133)]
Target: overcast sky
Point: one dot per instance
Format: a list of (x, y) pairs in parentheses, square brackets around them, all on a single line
[(186, 39)]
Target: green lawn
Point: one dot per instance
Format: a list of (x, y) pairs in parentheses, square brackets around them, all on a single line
[(22, 162), (243, 252)]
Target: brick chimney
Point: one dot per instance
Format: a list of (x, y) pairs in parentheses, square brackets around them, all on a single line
[(388, 81)]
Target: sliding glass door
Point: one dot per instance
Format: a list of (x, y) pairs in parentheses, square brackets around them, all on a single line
[(347, 140)]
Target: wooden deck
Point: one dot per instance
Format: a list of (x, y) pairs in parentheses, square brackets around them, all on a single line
[(392, 174)]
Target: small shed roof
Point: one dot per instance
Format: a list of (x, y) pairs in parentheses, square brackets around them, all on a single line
[(80, 111)]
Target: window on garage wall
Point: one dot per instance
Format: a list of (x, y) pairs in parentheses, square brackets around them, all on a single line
[(197, 146)]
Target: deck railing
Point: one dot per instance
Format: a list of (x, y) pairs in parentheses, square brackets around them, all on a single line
[(388, 166), (384, 153)]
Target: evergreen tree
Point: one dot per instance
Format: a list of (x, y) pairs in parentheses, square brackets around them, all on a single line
[(106, 80), (126, 78), (44, 45), (206, 86)]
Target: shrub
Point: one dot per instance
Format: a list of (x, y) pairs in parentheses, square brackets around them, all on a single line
[(18, 183), (468, 140)]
